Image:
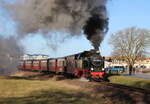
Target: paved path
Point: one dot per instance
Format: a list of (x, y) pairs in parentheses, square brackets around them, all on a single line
[(140, 75)]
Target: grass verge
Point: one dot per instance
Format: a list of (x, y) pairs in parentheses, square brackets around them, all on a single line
[(137, 82)]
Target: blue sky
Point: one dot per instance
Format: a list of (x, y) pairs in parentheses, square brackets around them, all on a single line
[(122, 14)]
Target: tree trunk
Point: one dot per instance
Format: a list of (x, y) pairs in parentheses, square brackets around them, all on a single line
[(130, 69)]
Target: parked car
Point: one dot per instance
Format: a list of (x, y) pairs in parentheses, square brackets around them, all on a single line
[(115, 69)]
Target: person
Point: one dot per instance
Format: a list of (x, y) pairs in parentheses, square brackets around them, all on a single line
[(133, 70)]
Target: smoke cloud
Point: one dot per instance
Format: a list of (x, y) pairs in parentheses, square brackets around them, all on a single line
[(73, 16), (9, 55)]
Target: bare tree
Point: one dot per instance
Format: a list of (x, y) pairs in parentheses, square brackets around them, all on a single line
[(130, 44)]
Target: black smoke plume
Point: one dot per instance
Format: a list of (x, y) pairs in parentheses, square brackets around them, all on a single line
[(73, 16), (9, 55), (94, 29)]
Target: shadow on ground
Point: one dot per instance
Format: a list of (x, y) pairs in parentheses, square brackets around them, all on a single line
[(142, 84), (51, 97), (124, 96), (115, 95)]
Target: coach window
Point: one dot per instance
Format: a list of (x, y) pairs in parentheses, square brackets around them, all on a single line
[(50, 64), (64, 64), (61, 63), (43, 63), (79, 64)]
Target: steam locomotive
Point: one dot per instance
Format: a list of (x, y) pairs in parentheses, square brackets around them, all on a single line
[(87, 64)]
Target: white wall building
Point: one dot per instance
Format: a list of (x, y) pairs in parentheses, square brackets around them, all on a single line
[(143, 63), (33, 57)]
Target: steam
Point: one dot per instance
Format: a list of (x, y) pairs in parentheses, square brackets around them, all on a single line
[(9, 55), (73, 16)]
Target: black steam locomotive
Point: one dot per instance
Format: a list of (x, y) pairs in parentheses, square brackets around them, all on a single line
[(87, 64)]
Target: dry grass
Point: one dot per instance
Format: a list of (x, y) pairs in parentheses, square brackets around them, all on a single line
[(18, 89), (21, 91)]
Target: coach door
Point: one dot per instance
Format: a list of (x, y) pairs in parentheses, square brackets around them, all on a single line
[(71, 64)]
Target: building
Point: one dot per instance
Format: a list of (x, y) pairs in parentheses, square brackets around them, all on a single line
[(141, 63), (33, 57)]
